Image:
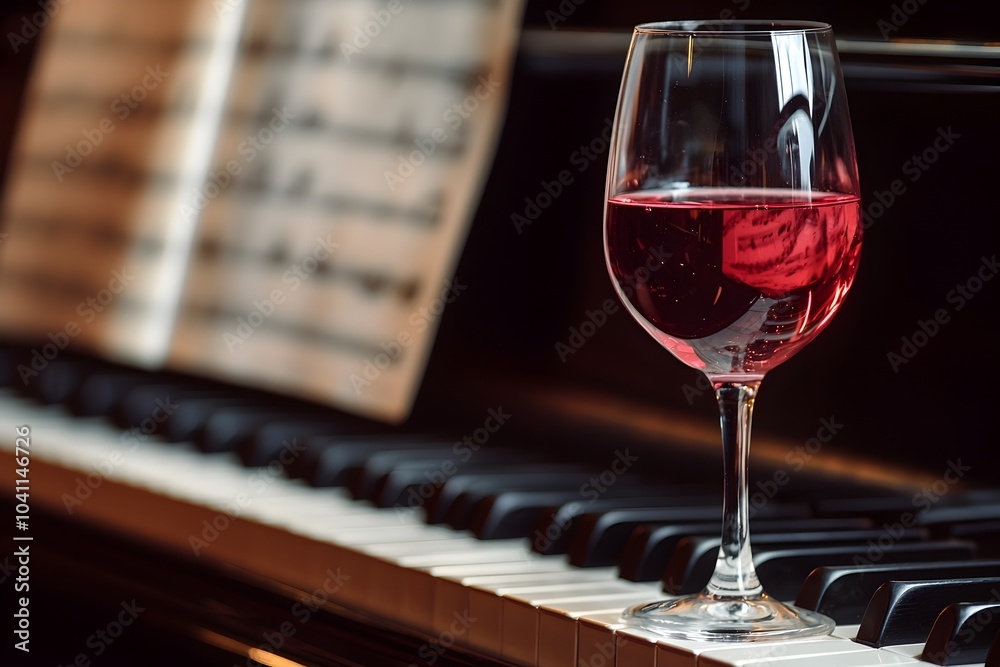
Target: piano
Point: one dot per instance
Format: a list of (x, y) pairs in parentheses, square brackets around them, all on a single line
[(177, 518)]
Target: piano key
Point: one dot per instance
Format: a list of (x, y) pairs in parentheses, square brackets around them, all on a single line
[(554, 528), (411, 483), (380, 463), (190, 416), (950, 516), (282, 439), (842, 593), (786, 570), (336, 460), (903, 612), (452, 582), (692, 563), (486, 603), (649, 547), (102, 391), (811, 652), (558, 627), (153, 403), (512, 513), (634, 646), (228, 426), (986, 535), (61, 379), (962, 633), (596, 639), (521, 611), (600, 539), (454, 503), (597, 535)]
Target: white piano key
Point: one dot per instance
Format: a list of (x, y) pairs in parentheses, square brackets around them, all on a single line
[(520, 615), (912, 651), (596, 639), (451, 583), (559, 625), (778, 652), (635, 648), (846, 631)]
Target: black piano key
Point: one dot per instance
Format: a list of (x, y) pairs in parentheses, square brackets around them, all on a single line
[(986, 535), (227, 427), (692, 563), (554, 527), (962, 633), (335, 461), (843, 592), (457, 499), (649, 547), (101, 392), (149, 405), (365, 484), (903, 612), (190, 417), (283, 439), (60, 380), (511, 514), (951, 516), (410, 484), (600, 539)]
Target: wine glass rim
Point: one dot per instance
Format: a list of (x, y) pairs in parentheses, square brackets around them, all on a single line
[(731, 27)]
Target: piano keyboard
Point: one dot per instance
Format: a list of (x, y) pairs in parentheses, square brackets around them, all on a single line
[(491, 597)]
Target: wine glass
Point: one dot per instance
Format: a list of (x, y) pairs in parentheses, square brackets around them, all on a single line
[(732, 235)]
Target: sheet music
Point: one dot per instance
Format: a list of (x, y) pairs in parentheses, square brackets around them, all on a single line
[(123, 93), (353, 144)]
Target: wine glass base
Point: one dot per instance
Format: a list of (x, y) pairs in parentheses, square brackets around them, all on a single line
[(704, 618)]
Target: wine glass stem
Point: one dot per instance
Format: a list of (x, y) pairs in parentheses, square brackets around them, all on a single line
[(734, 575)]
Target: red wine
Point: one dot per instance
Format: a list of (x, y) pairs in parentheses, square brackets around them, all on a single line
[(733, 281)]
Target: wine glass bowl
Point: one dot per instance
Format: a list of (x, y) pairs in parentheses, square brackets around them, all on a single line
[(733, 159)]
